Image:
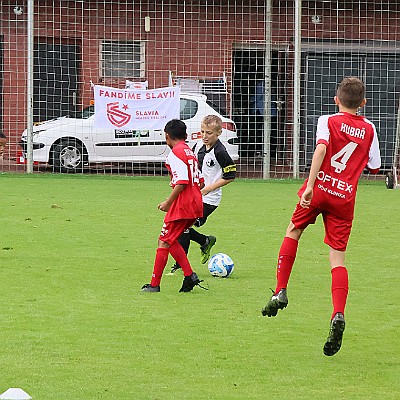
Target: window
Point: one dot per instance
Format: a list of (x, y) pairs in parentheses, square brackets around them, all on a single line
[(188, 108), (122, 59)]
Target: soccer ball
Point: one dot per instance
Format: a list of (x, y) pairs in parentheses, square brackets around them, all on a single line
[(220, 265)]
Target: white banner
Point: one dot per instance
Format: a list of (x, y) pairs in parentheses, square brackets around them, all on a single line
[(135, 109)]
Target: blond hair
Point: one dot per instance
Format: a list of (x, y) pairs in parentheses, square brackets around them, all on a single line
[(213, 121)]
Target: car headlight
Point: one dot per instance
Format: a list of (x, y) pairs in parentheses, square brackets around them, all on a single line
[(34, 133)]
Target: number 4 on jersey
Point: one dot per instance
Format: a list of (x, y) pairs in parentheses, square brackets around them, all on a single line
[(344, 154)]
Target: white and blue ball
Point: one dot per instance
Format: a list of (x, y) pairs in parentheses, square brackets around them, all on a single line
[(220, 265)]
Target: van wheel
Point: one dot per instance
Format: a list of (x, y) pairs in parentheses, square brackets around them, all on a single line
[(69, 156), (389, 180)]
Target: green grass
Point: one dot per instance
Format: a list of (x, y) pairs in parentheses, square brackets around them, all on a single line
[(75, 252)]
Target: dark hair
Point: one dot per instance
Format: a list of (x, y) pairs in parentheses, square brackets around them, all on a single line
[(351, 92), (2, 136), (176, 129)]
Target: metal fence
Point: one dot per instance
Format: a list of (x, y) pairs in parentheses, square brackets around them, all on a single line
[(270, 68)]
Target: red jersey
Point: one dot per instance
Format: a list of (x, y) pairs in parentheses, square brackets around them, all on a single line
[(352, 144), (182, 165)]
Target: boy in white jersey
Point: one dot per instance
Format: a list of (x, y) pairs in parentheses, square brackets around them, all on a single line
[(218, 170), (346, 144)]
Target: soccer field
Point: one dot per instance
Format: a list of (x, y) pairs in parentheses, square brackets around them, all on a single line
[(75, 251)]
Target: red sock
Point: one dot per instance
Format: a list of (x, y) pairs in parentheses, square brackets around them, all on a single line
[(176, 251), (287, 255), (340, 288), (159, 265)]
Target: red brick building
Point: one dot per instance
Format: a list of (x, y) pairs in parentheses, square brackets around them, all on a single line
[(79, 42)]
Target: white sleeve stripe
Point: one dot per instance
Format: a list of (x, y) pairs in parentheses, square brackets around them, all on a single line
[(322, 128), (178, 167), (374, 161)]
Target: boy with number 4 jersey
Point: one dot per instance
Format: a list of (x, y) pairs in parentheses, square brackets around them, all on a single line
[(346, 144)]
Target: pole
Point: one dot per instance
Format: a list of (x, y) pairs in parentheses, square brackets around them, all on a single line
[(267, 93), (296, 89), (29, 85)]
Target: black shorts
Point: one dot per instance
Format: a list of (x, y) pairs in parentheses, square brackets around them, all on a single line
[(207, 210)]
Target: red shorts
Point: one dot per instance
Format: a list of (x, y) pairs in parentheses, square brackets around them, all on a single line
[(337, 230), (172, 230)]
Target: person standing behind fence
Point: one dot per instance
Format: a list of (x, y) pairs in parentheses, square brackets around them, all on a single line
[(3, 142), (257, 111), (183, 206), (346, 144)]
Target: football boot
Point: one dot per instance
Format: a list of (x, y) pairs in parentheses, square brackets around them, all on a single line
[(277, 302), (334, 341), (206, 249), (148, 288)]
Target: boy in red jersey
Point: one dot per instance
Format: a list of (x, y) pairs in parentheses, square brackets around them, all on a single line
[(183, 206), (346, 144)]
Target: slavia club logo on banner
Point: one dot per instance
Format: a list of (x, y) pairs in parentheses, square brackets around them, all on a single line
[(116, 116)]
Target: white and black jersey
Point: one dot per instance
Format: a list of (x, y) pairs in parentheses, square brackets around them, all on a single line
[(214, 164)]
